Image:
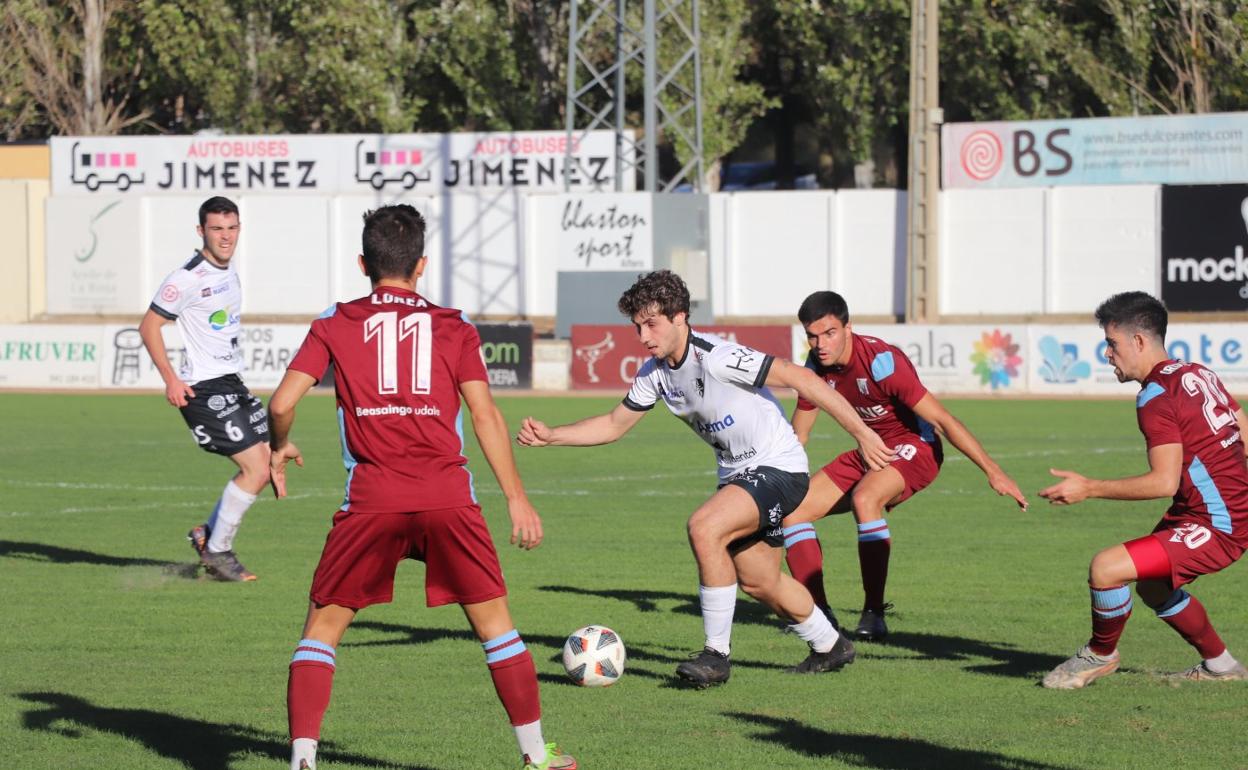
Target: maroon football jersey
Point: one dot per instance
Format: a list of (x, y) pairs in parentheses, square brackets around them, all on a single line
[(880, 383), (1185, 403), (398, 362)]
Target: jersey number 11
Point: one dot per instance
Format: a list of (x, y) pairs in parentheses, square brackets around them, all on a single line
[(389, 331)]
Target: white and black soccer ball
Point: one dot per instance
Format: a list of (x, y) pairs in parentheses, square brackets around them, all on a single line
[(594, 656)]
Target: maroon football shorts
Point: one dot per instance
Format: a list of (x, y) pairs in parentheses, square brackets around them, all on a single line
[(1191, 548), (363, 549), (918, 463)]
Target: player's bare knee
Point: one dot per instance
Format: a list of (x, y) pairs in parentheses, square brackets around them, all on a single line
[(761, 590), (1104, 571)]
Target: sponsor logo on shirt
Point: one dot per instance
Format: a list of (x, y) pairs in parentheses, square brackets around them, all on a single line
[(169, 293), (872, 413), (714, 427), (222, 318), (675, 394), (400, 409), (862, 385)]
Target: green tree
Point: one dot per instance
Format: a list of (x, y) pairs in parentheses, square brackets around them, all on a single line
[(280, 65), (68, 59)]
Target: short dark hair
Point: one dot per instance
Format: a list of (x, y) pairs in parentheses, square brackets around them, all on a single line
[(663, 288), (1134, 310), (394, 241), (823, 303), (216, 205)]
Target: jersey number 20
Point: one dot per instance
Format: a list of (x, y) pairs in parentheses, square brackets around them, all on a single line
[(388, 330), (1217, 406)]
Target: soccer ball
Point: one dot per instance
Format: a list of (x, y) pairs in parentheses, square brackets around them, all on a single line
[(594, 656)]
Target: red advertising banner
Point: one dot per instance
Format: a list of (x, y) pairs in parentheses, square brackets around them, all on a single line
[(607, 357)]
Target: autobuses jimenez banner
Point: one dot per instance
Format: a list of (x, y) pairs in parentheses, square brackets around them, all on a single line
[(333, 164)]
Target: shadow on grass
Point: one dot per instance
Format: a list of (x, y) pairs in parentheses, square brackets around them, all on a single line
[(877, 751), (195, 743), (637, 654), (1007, 659), (748, 612), (60, 555)]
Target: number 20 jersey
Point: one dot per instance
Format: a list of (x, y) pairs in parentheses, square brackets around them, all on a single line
[(1185, 403), (398, 363)]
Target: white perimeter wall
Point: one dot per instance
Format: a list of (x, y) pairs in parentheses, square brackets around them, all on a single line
[(1003, 252)]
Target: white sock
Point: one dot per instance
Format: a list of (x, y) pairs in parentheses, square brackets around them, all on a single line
[(228, 515), (1221, 664), (302, 748), (718, 605), (817, 631), (532, 745)]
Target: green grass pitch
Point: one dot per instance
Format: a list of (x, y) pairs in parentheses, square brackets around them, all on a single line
[(112, 655)]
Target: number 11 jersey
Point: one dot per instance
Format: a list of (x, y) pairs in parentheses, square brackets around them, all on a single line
[(398, 362)]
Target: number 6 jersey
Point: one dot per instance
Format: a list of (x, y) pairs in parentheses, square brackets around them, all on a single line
[(1185, 403), (398, 362)]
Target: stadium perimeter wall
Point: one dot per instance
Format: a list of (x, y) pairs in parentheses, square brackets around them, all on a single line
[(964, 359), (1004, 252)]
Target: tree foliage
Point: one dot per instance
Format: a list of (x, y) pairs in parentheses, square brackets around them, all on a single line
[(839, 66)]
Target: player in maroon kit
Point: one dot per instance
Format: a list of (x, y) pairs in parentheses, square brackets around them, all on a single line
[(880, 383), (1194, 431), (401, 365)]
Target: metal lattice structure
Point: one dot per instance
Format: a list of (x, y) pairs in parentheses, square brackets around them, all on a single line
[(922, 289), (612, 43)]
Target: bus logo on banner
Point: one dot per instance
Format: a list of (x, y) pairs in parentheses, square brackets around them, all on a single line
[(982, 155), (94, 169), (380, 167)]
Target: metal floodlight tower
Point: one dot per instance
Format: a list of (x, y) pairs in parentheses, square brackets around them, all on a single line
[(923, 190), (607, 51)]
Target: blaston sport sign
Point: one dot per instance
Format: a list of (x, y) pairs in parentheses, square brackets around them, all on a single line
[(333, 164)]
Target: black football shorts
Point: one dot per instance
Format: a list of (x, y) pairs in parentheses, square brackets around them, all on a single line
[(224, 417)]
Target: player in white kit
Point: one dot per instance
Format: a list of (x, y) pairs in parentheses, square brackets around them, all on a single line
[(204, 297), (719, 389)]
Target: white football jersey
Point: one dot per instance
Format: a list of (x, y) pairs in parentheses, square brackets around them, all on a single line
[(717, 389), (205, 301)]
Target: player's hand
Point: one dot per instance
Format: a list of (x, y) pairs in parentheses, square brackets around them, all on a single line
[(1006, 487), (534, 433), (1071, 489), (277, 467), (177, 392), (526, 525), (875, 452)]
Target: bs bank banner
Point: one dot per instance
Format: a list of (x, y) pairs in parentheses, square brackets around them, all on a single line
[(333, 164), (1178, 149)]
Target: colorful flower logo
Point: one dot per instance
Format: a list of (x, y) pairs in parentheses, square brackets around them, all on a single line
[(996, 359)]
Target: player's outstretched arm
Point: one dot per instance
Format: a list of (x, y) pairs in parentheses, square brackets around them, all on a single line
[(592, 431), (294, 386), (176, 391), (814, 389), (491, 430), (931, 410), (1165, 463), (803, 423)]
